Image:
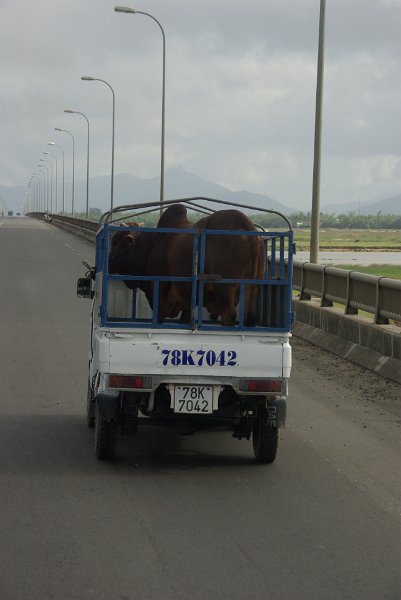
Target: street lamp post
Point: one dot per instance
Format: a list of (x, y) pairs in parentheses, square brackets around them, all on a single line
[(73, 167), (62, 150), (34, 197), (315, 222), (46, 187), (89, 78), (42, 173), (51, 182), (38, 179), (36, 182), (29, 192), (76, 112), (55, 158), (31, 188), (127, 9), (42, 188)]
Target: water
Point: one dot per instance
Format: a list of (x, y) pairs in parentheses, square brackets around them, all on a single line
[(353, 258)]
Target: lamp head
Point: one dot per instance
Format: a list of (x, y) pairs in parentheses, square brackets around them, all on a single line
[(124, 9), (68, 110), (59, 129), (87, 78)]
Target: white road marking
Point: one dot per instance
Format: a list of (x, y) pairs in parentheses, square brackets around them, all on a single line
[(53, 232)]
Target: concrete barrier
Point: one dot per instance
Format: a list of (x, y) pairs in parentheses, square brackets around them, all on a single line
[(75, 229), (354, 337)]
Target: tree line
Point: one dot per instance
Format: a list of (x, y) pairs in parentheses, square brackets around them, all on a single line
[(300, 220), (349, 221)]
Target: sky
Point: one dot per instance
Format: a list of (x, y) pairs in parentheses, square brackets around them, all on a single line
[(240, 92)]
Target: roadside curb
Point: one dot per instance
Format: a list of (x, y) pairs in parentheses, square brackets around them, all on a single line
[(381, 364), (75, 229)]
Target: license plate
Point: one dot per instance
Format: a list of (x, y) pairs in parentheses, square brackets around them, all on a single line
[(193, 399)]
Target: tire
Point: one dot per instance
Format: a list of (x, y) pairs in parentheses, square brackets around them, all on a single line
[(105, 437), (265, 440), (90, 408)]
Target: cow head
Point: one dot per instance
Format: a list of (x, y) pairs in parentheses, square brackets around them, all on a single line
[(125, 256)]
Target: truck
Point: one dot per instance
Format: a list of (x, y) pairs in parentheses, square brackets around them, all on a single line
[(189, 376)]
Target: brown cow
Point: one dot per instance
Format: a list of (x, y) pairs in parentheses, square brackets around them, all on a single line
[(170, 254), (121, 246)]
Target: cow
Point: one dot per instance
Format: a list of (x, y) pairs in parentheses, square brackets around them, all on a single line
[(171, 254), (120, 261)]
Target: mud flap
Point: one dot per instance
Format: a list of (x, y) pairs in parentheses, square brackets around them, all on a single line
[(109, 405), (276, 412)]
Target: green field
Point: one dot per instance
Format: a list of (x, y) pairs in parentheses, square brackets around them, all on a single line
[(393, 271), (351, 239)]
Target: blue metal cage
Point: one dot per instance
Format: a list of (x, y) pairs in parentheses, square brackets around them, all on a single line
[(274, 290)]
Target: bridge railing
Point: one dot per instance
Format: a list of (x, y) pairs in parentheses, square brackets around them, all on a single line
[(379, 296)]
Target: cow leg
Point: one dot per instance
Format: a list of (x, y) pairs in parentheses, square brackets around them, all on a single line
[(163, 310), (209, 301), (175, 302), (226, 298), (251, 305), (228, 318), (185, 315)]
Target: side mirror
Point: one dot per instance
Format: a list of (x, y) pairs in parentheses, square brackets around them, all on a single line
[(84, 288)]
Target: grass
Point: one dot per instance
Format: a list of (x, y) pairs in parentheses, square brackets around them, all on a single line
[(351, 239), (393, 271)]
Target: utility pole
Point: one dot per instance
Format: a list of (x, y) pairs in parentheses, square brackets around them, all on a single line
[(315, 225)]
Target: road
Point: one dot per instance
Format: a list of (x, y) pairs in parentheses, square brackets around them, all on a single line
[(175, 519)]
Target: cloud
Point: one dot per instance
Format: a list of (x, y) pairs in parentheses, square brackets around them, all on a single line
[(240, 91)]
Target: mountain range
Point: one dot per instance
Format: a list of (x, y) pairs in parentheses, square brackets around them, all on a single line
[(129, 189), (388, 206)]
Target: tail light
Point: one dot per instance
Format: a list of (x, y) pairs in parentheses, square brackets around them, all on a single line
[(138, 382), (260, 385)]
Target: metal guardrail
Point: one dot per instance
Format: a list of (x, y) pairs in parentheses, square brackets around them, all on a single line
[(91, 225), (379, 296), (83, 223)]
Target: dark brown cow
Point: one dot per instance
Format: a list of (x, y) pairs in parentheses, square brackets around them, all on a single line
[(123, 243), (170, 254)]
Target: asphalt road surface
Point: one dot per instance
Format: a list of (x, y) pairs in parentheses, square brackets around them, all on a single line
[(181, 519)]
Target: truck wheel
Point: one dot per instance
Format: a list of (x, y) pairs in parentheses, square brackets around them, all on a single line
[(90, 408), (265, 440), (105, 437)]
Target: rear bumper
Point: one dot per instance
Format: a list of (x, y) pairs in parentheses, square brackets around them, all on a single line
[(230, 412)]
